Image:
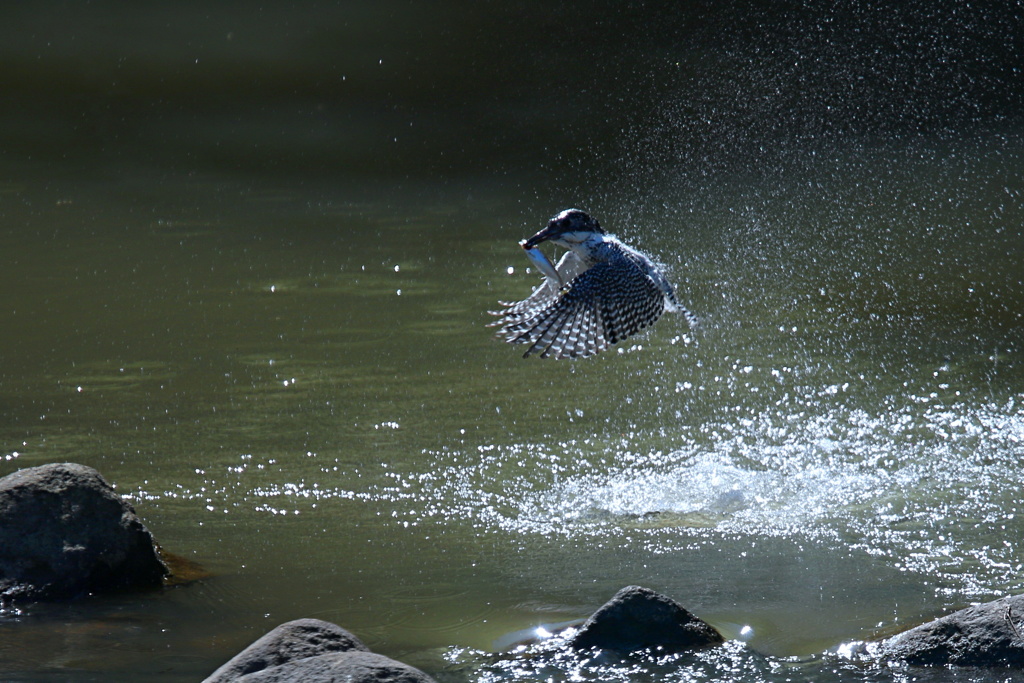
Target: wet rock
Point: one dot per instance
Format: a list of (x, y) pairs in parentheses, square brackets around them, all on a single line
[(990, 634), (64, 532), (290, 641), (313, 651), (637, 618), (350, 667)]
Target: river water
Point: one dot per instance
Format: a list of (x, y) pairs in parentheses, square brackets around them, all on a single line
[(247, 265)]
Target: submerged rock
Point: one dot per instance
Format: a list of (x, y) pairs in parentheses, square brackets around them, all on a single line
[(313, 651), (990, 634), (637, 618), (64, 532)]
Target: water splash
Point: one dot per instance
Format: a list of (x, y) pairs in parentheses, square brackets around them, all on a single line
[(885, 484)]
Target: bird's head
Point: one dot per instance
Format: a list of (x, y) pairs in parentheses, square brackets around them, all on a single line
[(569, 228)]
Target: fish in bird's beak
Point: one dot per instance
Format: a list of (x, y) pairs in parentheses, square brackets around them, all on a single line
[(537, 258)]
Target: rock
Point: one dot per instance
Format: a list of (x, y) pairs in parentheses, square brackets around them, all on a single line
[(64, 532), (346, 667), (639, 619), (313, 651), (294, 640), (990, 634)]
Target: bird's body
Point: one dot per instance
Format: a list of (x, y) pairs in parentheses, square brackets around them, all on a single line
[(601, 292)]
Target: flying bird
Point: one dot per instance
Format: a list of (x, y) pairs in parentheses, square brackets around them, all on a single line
[(600, 293)]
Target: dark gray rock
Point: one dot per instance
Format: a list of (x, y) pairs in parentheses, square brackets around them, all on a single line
[(64, 532), (342, 667), (313, 651), (294, 640), (639, 619), (990, 634)]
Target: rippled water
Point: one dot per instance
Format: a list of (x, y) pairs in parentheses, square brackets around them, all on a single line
[(321, 419), (289, 375)]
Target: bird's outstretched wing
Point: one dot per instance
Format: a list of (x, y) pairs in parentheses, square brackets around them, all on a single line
[(569, 266), (599, 307)]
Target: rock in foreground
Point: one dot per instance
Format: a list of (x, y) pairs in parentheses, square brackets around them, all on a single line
[(313, 651), (990, 634), (294, 640), (64, 532), (639, 619)]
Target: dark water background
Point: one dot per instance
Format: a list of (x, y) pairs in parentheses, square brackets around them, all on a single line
[(247, 253)]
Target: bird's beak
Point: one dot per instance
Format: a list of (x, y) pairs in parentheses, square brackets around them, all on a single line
[(541, 236)]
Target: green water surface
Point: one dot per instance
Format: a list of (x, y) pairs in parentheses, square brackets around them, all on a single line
[(254, 296)]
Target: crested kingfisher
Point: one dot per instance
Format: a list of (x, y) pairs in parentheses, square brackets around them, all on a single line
[(600, 293)]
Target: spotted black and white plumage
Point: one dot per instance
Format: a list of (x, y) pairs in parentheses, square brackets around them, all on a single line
[(603, 292)]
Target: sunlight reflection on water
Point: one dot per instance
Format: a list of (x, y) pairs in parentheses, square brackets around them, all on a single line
[(887, 485), (248, 255)]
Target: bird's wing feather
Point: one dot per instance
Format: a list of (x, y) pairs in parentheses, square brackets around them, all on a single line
[(515, 313), (609, 302), (598, 306), (575, 342)]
